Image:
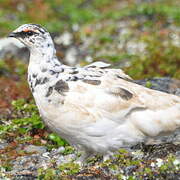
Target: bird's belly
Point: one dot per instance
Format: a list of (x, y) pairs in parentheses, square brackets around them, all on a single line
[(100, 135), (87, 129)]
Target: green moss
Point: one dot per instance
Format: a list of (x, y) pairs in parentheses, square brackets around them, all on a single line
[(64, 171), (141, 169), (32, 121), (48, 174), (69, 168), (61, 14), (7, 166), (55, 138), (159, 60), (148, 84)]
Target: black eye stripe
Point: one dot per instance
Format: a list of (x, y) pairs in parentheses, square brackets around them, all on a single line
[(24, 34), (29, 33)]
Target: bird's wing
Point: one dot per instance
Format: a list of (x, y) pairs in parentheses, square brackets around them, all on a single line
[(100, 68), (111, 101), (98, 64)]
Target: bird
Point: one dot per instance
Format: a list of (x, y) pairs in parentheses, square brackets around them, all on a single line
[(96, 108)]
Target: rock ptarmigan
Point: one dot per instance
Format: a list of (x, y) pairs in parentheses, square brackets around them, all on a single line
[(95, 108)]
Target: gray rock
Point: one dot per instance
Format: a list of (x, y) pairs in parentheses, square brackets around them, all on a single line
[(65, 39), (11, 47), (164, 84), (3, 145), (37, 149)]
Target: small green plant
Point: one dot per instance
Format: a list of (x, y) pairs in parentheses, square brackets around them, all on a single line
[(48, 174), (25, 119), (160, 60), (69, 168), (148, 84), (56, 139), (56, 173), (31, 120)]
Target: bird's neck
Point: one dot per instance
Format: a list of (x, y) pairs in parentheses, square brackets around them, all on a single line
[(45, 52), (43, 60), (43, 67), (44, 55)]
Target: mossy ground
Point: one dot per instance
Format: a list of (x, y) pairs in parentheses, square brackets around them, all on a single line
[(143, 38)]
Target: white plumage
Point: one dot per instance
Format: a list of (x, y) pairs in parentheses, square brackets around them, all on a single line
[(96, 109)]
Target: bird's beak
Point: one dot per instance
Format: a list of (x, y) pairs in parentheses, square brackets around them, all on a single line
[(13, 34)]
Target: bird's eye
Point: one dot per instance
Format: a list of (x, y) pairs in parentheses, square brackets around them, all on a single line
[(29, 33)]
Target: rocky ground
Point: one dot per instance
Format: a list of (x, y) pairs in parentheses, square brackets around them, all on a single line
[(141, 37)]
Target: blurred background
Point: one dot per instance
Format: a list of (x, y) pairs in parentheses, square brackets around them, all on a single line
[(140, 36)]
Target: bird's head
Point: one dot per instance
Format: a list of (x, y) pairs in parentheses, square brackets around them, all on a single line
[(33, 36)]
